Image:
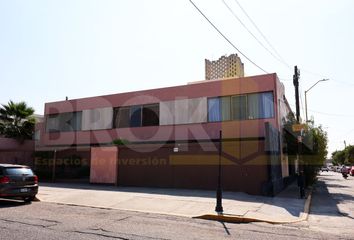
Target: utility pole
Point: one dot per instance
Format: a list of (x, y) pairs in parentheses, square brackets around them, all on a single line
[(299, 138), (296, 85)]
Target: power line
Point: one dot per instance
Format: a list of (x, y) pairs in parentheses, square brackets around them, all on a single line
[(264, 37), (249, 31), (285, 79), (313, 73), (324, 113), (324, 76), (226, 37), (344, 83), (332, 114), (347, 133)]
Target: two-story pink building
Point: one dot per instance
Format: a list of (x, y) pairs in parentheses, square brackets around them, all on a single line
[(169, 137)]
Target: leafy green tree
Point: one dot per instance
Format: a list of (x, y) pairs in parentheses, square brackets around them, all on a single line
[(338, 157), (290, 146), (120, 142), (349, 155), (314, 152), (313, 147), (344, 157), (17, 121)]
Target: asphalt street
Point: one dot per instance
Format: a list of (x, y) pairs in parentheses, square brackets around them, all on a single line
[(332, 203), (53, 221), (332, 208)]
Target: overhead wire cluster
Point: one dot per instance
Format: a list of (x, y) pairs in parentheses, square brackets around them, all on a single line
[(328, 114), (270, 50), (226, 38), (275, 55)]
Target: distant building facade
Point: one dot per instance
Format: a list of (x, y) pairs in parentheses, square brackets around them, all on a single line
[(224, 67)]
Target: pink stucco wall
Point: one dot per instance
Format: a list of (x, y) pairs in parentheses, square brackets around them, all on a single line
[(104, 162), (16, 152), (203, 131), (13, 144), (231, 129), (202, 89)]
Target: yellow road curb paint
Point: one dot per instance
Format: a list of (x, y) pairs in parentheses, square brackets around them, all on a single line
[(240, 219)]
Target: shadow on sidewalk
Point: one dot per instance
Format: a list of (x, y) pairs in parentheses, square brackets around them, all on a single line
[(326, 203)]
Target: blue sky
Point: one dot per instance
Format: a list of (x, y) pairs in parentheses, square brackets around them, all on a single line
[(81, 48)]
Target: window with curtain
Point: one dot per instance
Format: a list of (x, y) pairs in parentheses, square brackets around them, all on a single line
[(239, 107), (260, 105), (214, 111), (225, 108), (253, 106), (267, 103)]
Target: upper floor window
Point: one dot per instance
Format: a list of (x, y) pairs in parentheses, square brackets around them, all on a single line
[(151, 115), (260, 105), (136, 116), (64, 122), (121, 117), (241, 107), (219, 109)]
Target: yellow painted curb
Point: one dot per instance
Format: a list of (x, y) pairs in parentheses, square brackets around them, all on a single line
[(228, 218), (240, 219), (307, 206)]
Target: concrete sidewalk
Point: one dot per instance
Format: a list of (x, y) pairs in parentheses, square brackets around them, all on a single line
[(238, 207)]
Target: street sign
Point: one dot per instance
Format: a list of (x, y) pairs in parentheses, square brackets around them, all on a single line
[(299, 127)]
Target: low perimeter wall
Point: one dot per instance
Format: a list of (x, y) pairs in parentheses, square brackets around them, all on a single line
[(16, 152)]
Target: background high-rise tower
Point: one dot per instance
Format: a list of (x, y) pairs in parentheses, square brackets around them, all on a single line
[(224, 67)]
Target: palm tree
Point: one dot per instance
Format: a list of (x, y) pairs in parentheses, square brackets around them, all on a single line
[(16, 120)]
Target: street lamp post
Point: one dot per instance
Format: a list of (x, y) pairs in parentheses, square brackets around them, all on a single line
[(323, 80), (219, 208), (54, 163)]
